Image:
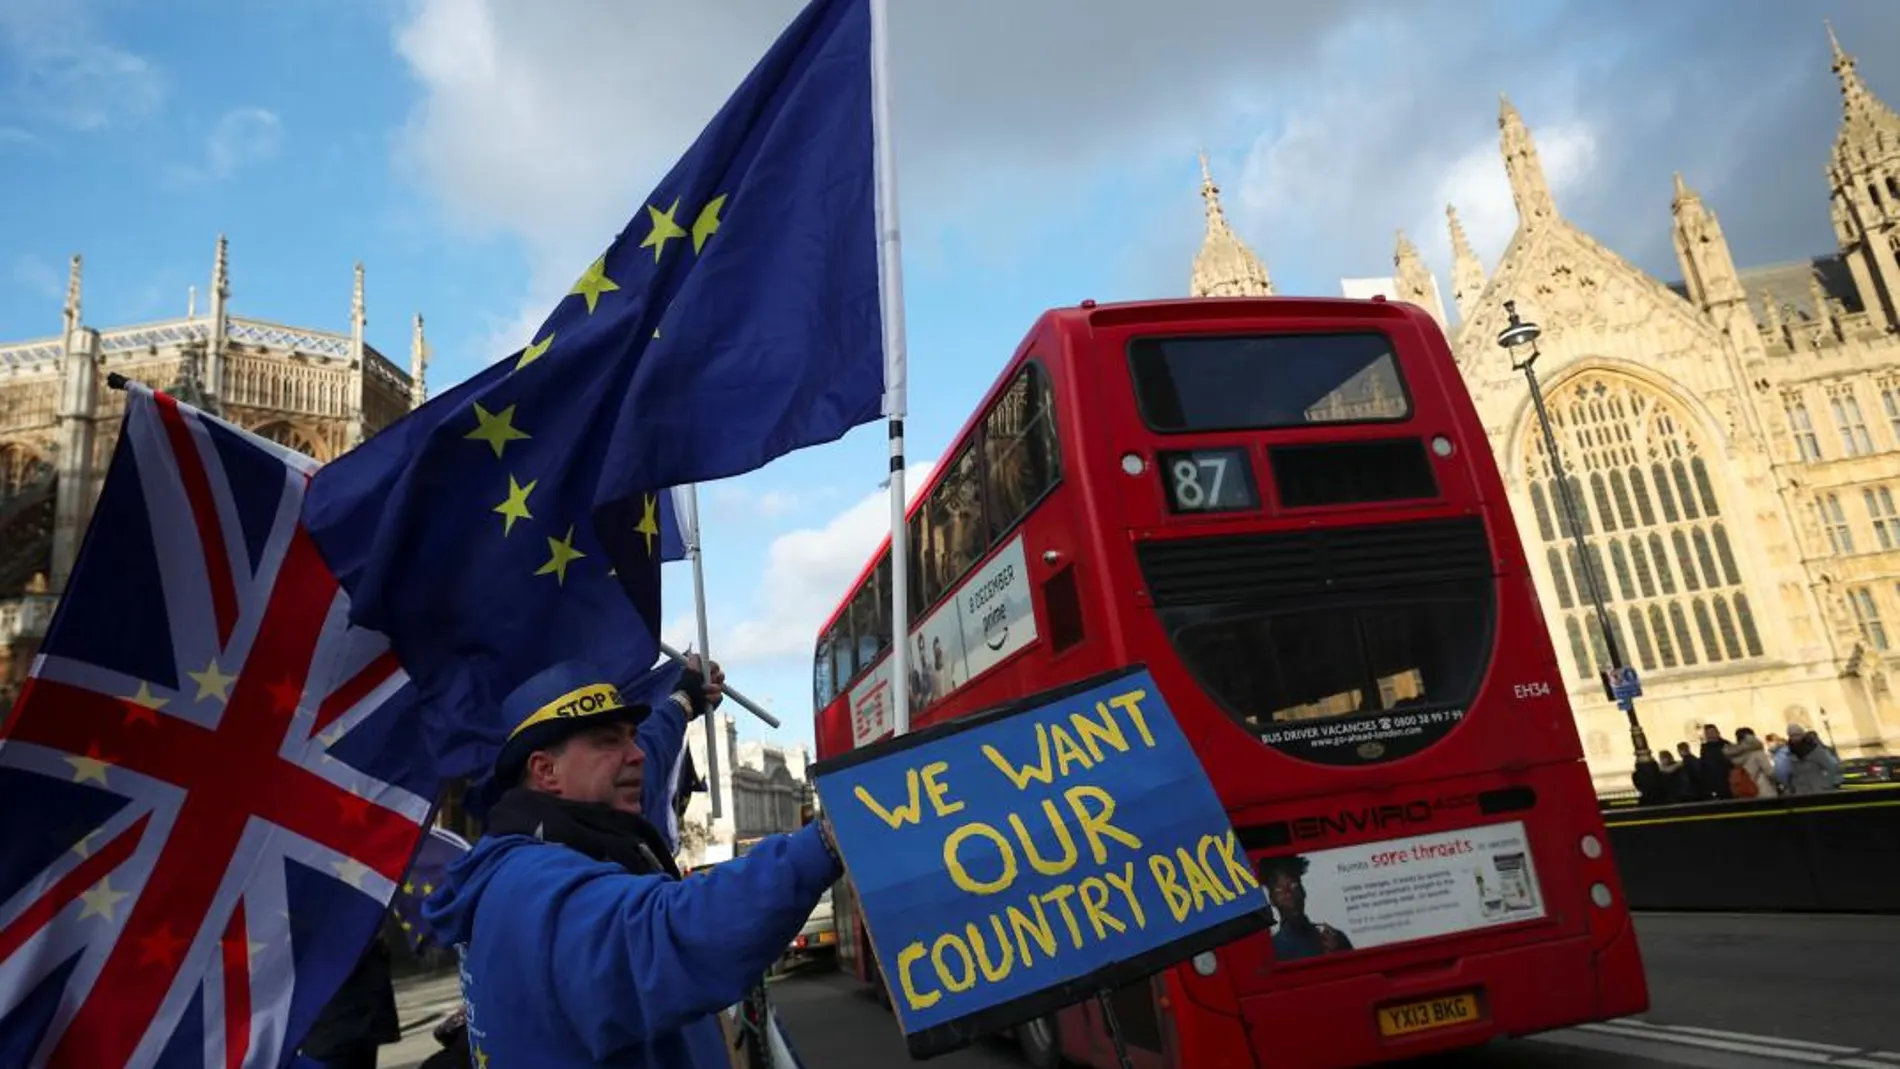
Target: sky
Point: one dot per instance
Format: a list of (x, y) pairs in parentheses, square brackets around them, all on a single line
[(475, 155)]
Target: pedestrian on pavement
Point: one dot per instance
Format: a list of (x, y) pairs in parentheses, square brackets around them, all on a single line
[(580, 944), (1754, 773), (1815, 769)]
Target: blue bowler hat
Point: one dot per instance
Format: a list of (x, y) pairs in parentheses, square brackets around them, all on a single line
[(556, 702)]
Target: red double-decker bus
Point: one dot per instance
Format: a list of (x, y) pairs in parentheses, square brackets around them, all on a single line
[(1287, 509)]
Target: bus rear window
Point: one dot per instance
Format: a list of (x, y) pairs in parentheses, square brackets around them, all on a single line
[(1214, 382)]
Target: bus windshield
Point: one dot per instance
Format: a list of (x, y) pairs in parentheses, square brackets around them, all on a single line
[(1215, 382)]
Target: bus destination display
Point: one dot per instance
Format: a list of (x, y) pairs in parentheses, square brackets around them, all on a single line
[(1209, 480)]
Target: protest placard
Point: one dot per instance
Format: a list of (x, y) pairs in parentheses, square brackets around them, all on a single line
[(1025, 858)]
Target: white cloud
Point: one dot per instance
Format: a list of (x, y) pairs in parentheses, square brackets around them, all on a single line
[(807, 572), (551, 129), (741, 503), (38, 275), (57, 67), (242, 137), (1476, 183)]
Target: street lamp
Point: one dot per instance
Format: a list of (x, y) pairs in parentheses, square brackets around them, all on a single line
[(1518, 334)]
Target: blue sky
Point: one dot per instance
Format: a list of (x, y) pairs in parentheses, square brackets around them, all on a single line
[(476, 154)]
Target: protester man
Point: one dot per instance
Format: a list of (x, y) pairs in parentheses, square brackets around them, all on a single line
[(580, 945)]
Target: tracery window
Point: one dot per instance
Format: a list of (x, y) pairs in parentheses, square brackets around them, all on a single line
[(1847, 419), (1802, 427), (290, 437), (1659, 548)]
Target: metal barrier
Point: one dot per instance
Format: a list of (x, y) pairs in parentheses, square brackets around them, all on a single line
[(1816, 853)]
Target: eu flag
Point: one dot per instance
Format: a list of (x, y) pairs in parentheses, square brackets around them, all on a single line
[(514, 520)]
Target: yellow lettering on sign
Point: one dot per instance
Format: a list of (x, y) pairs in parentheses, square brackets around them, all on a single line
[(906, 958), (937, 790), (1023, 775), (897, 816), (1068, 751), (1095, 825), (1061, 829), (1180, 900), (1130, 703), (960, 875)]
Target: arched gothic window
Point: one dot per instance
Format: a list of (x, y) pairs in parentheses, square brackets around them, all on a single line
[(20, 467), (291, 437), (1643, 493)]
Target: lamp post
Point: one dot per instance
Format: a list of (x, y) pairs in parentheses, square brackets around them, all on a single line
[(1518, 334)]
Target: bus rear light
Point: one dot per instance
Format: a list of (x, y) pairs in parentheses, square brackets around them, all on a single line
[(1441, 445), (1591, 846), (1133, 464), (1205, 963), (1600, 894)]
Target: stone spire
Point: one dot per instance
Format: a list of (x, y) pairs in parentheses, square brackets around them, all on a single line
[(1864, 116), (1225, 266), (72, 295), (1467, 273), (1413, 279), (1708, 269), (359, 362), (1529, 189), (418, 366), (208, 384), (1864, 188)]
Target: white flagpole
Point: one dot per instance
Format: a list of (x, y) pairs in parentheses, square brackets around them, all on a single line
[(891, 294), (686, 506)]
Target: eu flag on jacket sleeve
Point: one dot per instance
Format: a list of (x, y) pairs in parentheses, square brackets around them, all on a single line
[(734, 319)]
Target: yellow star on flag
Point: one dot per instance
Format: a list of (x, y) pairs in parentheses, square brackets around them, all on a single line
[(594, 283), (497, 429), (534, 352), (212, 683), (89, 767), (707, 224), (516, 507), (100, 900), (561, 553), (649, 522), (350, 870), (84, 846), (664, 229), (146, 699)]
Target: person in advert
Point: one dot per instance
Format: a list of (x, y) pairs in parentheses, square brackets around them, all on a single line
[(1298, 937), (579, 943)]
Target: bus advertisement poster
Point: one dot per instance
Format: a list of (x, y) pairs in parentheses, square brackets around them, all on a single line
[(1398, 890), (1025, 858)]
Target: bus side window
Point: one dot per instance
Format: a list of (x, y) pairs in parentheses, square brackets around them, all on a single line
[(958, 534), (919, 598), (843, 650), (823, 687), (879, 638), (1022, 459), (865, 620)]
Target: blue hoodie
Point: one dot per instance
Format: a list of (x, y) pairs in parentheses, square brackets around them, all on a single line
[(572, 962)]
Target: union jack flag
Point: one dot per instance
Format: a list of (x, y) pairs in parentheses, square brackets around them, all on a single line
[(209, 787)]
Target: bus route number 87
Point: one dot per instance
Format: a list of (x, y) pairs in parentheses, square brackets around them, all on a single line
[(1208, 480)]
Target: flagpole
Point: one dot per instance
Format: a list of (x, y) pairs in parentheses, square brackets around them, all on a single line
[(690, 529), (891, 291)]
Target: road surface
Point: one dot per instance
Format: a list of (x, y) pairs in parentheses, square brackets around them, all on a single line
[(1726, 992)]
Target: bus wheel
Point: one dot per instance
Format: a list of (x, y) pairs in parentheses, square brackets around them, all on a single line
[(1040, 1042)]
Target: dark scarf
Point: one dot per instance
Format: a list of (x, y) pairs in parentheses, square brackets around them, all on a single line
[(599, 831)]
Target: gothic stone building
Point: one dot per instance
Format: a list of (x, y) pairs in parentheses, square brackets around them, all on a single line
[(1732, 441), (314, 391)]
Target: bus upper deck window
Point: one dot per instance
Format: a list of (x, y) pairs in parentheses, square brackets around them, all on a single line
[(1213, 382)]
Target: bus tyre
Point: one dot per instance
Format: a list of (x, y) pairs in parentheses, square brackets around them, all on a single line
[(1040, 1042)]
